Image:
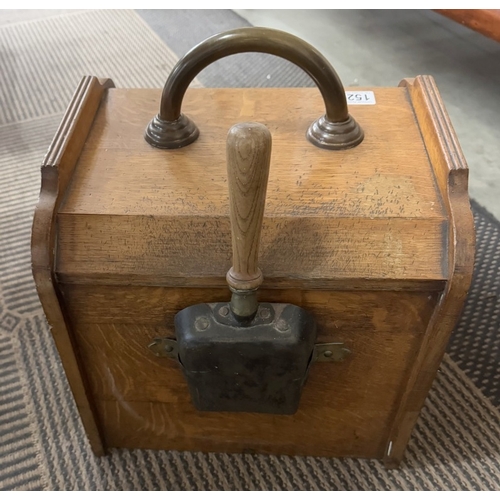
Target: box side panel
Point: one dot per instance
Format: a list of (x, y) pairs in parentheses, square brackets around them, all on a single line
[(451, 173), (57, 172)]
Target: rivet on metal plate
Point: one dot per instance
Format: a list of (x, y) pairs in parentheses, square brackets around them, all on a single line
[(165, 348), (330, 352), (265, 313), (282, 325), (202, 323)]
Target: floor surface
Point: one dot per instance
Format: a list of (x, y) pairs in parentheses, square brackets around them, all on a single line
[(381, 47)]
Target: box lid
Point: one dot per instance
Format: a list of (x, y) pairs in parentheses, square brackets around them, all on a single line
[(368, 216)]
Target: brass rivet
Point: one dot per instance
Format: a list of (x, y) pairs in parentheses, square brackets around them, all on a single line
[(265, 313), (224, 311), (282, 325), (202, 323), (327, 354)]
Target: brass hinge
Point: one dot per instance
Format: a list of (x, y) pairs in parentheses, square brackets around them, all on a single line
[(165, 348), (331, 352)]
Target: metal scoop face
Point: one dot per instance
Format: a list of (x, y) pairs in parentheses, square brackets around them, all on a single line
[(260, 367)]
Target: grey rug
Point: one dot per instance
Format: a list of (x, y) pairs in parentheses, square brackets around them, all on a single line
[(456, 443)]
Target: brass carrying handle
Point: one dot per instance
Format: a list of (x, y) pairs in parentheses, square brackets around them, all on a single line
[(171, 129)]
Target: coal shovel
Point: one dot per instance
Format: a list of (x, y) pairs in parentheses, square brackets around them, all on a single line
[(245, 356)]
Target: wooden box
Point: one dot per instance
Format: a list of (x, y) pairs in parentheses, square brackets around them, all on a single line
[(376, 241)]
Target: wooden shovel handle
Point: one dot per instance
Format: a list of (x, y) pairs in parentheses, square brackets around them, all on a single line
[(248, 151)]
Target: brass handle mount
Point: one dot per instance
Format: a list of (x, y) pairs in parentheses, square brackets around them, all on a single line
[(336, 129)]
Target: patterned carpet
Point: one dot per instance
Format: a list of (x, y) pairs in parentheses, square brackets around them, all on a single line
[(456, 443)]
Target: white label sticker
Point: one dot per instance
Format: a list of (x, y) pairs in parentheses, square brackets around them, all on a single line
[(360, 97)]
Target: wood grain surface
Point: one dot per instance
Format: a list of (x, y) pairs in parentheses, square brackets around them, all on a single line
[(163, 426), (452, 175), (140, 249), (57, 170), (248, 154), (357, 397), (387, 176), (372, 212), (484, 21)]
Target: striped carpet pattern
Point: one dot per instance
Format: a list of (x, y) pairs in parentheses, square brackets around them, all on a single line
[(479, 355), (43, 60), (238, 70), (20, 464), (455, 446)]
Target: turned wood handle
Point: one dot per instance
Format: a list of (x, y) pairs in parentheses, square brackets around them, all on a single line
[(335, 130), (248, 151)]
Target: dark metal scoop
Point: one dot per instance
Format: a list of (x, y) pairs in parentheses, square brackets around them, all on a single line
[(241, 355)]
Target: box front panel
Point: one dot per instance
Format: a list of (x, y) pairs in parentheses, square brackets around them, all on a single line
[(346, 408)]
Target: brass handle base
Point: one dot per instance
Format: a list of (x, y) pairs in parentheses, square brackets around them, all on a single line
[(175, 134), (322, 133), (244, 304), (326, 134)]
